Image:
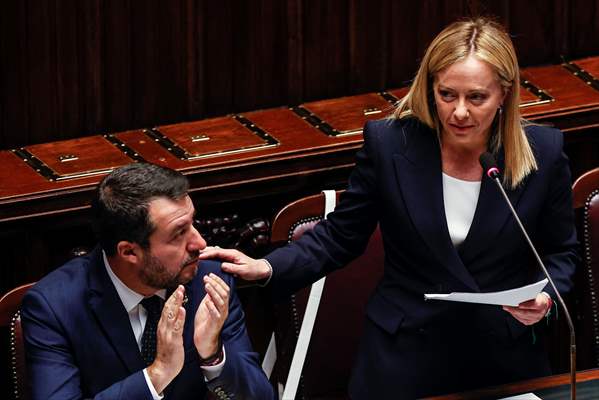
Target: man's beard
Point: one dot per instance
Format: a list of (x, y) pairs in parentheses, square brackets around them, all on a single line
[(156, 275)]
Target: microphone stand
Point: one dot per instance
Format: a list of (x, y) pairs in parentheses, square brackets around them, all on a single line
[(559, 297)]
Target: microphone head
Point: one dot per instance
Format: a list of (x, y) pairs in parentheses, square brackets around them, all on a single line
[(487, 161)]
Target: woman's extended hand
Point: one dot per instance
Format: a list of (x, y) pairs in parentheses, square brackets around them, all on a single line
[(237, 263)]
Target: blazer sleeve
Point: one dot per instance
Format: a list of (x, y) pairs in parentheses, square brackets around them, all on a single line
[(334, 242), (52, 371), (557, 233), (241, 377)]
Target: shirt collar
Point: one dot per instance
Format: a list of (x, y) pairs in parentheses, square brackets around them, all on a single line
[(129, 297)]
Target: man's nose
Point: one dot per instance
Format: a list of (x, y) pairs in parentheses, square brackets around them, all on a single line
[(196, 241)]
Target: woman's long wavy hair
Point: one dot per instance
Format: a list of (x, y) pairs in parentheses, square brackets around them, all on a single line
[(489, 42)]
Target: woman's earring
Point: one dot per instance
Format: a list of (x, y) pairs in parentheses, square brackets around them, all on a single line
[(500, 110)]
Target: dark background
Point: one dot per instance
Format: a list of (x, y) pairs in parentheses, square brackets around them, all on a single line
[(71, 68)]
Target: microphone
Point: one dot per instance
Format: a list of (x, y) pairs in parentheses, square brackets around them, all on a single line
[(487, 161)]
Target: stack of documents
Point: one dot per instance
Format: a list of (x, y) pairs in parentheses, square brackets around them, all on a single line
[(511, 297)]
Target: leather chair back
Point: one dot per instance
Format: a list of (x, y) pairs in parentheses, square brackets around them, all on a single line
[(340, 317), (10, 317), (586, 204)]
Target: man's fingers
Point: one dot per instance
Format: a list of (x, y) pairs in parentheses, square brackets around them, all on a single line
[(218, 280), (214, 295), (218, 291), (218, 284), (176, 296), (173, 302), (212, 309), (179, 321), (173, 313)]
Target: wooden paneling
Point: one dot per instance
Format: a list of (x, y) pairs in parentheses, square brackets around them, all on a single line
[(115, 72), (326, 48), (584, 23), (70, 68)]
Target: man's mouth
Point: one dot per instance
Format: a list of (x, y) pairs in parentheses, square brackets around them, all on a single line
[(192, 260)]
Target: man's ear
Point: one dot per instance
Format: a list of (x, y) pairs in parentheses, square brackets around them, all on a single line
[(129, 252)]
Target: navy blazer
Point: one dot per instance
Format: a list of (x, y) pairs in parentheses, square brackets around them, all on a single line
[(79, 342), (397, 183)]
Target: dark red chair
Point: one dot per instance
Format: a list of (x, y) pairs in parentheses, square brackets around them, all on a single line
[(340, 317), (10, 318), (586, 204)]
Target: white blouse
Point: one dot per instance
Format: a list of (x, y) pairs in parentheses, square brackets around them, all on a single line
[(460, 198)]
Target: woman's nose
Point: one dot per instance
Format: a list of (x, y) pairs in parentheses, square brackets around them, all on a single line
[(461, 111)]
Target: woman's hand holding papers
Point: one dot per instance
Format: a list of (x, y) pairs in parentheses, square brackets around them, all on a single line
[(532, 311)]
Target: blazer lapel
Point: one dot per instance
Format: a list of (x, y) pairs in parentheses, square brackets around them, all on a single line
[(420, 180), (112, 316), (491, 215)]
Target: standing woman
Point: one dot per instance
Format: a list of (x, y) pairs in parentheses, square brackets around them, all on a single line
[(445, 226)]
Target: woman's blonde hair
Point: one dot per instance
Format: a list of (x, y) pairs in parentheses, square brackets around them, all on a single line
[(489, 42)]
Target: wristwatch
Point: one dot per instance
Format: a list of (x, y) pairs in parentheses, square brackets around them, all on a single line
[(215, 358)]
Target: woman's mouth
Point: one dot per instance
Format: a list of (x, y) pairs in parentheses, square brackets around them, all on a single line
[(461, 128)]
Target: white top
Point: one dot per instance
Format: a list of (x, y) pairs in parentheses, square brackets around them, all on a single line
[(460, 198)]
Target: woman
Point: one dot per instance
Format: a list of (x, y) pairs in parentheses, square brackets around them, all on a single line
[(445, 226)]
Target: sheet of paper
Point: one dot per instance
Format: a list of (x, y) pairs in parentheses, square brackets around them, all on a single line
[(511, 297), (525, 396)]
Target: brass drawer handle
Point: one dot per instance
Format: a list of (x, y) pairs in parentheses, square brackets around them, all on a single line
[(371, 111), (67, 157), (199, 138)]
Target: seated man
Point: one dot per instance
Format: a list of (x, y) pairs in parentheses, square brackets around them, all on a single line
[(133, 319)]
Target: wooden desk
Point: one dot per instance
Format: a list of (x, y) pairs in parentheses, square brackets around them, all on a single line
[(268, 153), (556, 387)]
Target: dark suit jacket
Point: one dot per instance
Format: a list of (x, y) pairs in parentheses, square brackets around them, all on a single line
[(397, 183), (79, 341)]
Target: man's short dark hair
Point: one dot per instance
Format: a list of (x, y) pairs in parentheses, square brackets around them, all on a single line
[(120, 206)]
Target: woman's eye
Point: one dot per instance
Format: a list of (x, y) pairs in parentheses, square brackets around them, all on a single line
[(446, 95), (478, 97)]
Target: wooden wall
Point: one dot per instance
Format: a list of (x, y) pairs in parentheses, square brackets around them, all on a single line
[(71, 68)]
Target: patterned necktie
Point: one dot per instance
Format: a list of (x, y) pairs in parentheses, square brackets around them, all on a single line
[(153, 306)]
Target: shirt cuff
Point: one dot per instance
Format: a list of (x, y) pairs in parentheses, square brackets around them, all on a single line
[(213, 371), (155, 395), (548, 313), (265, 282)]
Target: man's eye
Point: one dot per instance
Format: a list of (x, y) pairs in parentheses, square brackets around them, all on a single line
[(180, 233)]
